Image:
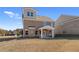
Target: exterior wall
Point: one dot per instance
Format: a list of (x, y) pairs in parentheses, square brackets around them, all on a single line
[(35, 24), (67, 25), (71, 27)]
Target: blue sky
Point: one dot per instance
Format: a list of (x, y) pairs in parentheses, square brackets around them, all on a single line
[(55, 12), (11, 18)]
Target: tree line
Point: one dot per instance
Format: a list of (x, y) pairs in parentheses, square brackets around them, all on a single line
[(11, 32)]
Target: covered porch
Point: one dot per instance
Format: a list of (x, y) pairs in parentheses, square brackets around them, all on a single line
[(46, 32)]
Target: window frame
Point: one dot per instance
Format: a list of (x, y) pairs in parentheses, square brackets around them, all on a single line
[(26, 32), (28, 13), (32, 14)]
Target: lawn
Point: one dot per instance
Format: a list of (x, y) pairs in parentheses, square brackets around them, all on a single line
[(39, 45)]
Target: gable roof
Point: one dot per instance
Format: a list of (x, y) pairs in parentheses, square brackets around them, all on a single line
[(64, 18), (29, 8)]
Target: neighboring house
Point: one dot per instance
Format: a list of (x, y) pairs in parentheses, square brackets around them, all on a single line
[(67, 24), (37, 26)]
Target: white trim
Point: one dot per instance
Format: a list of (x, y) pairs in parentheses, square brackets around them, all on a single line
[(47, 27), (41, 33), (31, 27)]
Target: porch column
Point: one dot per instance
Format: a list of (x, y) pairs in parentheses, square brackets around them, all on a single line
[(52, 33), (41, 33)]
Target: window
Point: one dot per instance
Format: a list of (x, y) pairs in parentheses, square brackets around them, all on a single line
[(28, 13), (36, 32), (31, 13), (53, 24), (62, 23), (40, 32), (26, 32)]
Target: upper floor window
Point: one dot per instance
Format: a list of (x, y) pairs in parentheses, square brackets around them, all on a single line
[(28, 13), (31, 13)]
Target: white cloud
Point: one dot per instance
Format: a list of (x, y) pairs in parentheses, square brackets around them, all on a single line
[(9, 13), (12, 14)]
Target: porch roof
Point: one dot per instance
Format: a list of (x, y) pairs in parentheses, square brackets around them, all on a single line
[(46, 27)]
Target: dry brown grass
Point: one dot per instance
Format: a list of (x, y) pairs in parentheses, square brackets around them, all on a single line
[(38, 45)]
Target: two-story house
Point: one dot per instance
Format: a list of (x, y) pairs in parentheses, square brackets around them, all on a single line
[(37, 26)]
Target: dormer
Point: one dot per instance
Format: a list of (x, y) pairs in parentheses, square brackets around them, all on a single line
[(29, 12)]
